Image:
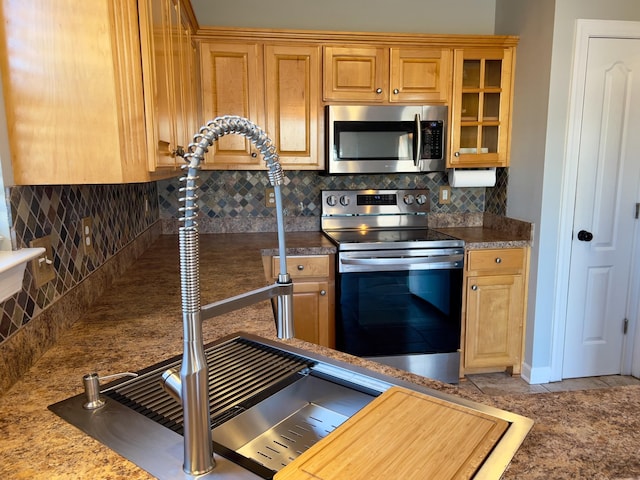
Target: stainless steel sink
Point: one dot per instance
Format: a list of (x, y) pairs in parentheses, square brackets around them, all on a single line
[(269, 404), (277, 430)]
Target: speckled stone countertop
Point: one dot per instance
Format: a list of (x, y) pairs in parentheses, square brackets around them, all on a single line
[(137, 323), (484, 231)]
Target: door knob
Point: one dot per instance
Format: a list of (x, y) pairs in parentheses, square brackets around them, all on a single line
[(585, 236)]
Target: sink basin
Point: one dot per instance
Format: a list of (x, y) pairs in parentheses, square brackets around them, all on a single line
[(268, 405), (280, 428)]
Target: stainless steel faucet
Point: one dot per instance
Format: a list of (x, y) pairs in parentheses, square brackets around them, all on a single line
[(191, 384)]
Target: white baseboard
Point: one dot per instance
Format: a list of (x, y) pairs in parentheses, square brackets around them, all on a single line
[(535, 375)]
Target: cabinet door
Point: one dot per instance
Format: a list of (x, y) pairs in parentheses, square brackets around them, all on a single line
[(481, 104), (178, 101), (494, 318), (420, 75), (232, 84), (155, 18), (311, 312), (292, 75), (183, 63), (356, 74), (71, 74), (313, 295)]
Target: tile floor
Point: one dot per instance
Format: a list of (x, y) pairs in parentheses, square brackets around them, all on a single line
[(504, 384)]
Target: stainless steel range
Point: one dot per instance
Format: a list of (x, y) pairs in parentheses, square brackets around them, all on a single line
[(399, 285)]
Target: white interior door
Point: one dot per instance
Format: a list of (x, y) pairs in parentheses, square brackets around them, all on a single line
[(607, 191)]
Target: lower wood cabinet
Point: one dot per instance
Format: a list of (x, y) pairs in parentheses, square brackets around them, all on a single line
[(313, 295), (495, 287)]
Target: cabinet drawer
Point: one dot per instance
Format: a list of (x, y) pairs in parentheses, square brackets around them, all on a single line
[(303, 266), (496, 261)]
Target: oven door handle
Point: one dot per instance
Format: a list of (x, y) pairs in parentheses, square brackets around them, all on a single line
[(449, 261), (417, 141)]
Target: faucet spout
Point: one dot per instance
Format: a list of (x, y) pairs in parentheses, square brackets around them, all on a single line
[(192, 384)]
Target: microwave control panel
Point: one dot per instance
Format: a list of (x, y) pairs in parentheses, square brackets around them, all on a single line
[(432, 139)]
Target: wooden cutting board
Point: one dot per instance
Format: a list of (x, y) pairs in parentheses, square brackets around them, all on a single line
[(404, 435)]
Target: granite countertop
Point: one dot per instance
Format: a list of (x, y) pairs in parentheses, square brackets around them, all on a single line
[(490, 231), (483, 237), (137, 323)]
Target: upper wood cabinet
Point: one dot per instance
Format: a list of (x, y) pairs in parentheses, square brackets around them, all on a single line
[(77, 108), (71, 74), (481, 107), (232, 84), (169, 72), (274, 76), (386, 75), (355, 74), (292, 98), (276, 87)]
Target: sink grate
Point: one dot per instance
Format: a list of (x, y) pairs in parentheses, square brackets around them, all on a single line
[(241, 373)]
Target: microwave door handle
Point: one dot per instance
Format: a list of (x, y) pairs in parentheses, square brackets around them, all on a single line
[(417, 141)]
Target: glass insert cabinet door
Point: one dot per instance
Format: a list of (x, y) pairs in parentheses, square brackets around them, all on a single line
[(481, 107)]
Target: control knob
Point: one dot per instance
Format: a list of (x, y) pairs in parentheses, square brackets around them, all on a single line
[(344, 200), (421, 199), (332, 200), (409, 199)]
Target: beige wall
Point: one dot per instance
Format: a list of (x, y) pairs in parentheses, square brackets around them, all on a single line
[(542, 91), (418, 16), (533, 21)]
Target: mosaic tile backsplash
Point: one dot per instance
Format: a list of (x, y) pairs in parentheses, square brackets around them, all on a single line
[(120, 213), (241, 194)]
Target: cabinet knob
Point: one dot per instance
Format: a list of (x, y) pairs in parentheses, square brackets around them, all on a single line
[(396, 91), (254, 154), (498, 260), (474, 287), (300, 267), (323, 292), (178, 152), (456, 154), (378, 91)]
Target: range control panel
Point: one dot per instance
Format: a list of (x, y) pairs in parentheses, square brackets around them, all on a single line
[(375, 202)]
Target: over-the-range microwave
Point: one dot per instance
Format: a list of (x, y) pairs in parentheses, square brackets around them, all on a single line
[(386, 138)]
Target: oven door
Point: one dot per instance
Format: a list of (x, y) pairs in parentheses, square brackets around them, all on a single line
[(406, 317)]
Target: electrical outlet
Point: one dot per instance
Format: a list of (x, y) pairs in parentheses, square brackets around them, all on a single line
[(42, 266), (270, 197), (444, 196), (87, 235)]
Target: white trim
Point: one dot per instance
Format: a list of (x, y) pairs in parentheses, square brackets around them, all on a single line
[(585, 29), (631, 361), (535, 376)]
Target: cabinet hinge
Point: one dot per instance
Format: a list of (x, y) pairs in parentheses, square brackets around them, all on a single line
[(625, 326), (637, 210)]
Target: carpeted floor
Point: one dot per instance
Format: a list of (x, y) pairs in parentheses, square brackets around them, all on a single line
[(588, 434)]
